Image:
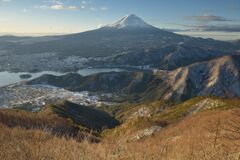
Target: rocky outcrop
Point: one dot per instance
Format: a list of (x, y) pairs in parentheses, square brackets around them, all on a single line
[(206, 104), (142, 112), (146, 133)]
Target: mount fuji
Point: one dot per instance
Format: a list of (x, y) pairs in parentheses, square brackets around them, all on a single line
[(130, 21)]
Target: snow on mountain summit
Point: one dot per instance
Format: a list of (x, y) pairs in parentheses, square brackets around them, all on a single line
[(129, 21)]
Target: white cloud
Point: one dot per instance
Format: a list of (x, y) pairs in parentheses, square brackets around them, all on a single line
[(72, 7), (62, 7), (5, 0), (103, 8), (59, 5), (84, 2), (93, 9), (42, 7), (207, 18), (25, 10)]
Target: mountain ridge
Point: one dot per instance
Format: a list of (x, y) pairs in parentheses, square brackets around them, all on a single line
[(219, 77)]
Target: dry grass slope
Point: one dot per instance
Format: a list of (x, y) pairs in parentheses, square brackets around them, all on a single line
[(203, 136), (212, 134)]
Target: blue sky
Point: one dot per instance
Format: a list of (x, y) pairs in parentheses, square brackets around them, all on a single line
[(219, 19)]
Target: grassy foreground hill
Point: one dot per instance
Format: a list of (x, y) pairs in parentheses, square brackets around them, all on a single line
[(63, 119), (200, 128)]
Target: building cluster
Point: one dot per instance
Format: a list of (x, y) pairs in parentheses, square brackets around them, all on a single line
[(19, 95)]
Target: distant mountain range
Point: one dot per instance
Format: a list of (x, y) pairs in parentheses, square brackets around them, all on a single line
[(167, 58), (129, 41)]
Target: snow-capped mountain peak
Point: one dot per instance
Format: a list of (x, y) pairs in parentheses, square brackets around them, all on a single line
[(129, 21)]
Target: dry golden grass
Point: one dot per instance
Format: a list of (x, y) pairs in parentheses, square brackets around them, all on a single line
[(210, 135), (53, 124), (202, 136), (20, 144)]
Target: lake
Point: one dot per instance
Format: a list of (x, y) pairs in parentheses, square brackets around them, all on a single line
[(7, 78)]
